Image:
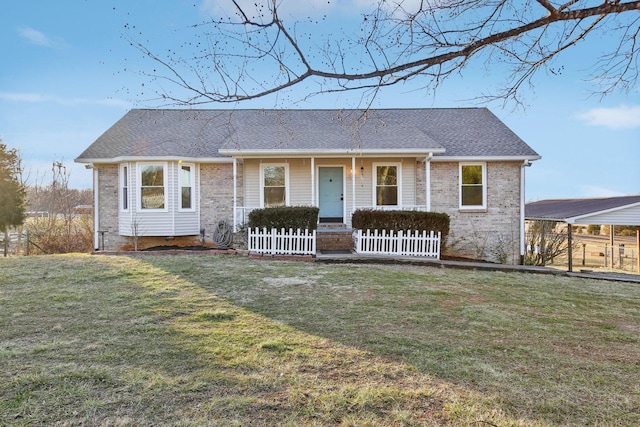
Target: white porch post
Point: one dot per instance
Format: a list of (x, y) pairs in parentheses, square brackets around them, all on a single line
[(313, 182), (427, 181), (235, 194), (353, 186)]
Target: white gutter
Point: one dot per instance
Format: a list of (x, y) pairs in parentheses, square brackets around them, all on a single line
[(403, 152), (485, 158), (124, 159)]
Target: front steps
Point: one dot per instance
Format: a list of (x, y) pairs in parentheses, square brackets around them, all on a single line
[(334, 237)]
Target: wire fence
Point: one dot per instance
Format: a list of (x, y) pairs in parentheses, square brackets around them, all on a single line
[(598, 253)]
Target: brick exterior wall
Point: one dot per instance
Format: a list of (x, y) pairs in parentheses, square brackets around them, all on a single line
[(108, 209), (216, 195), (491, 234)]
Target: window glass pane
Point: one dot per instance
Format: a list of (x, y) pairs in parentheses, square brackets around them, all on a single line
[(186, 197), (274, 196), (152, 175), (387, 196), (185, 187), (472, 174), (386, 185), (125, 189), (152, 198), (185, 176), (274, 176), (472, 195), (387, 175)]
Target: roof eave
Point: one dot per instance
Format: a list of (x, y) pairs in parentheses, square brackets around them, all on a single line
[(531, 158), (122, 159), (395, 152)]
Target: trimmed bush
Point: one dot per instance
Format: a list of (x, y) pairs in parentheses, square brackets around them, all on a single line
[(369, 219), (302, 217)]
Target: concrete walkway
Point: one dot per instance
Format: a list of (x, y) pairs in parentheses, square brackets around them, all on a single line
[(353, 258)]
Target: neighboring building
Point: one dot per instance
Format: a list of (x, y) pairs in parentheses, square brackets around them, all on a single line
[(163, 174)]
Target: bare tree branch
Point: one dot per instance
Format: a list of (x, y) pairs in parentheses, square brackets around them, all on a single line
[(257, 55)]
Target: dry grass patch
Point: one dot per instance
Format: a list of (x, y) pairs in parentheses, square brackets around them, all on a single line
[(198, 340)]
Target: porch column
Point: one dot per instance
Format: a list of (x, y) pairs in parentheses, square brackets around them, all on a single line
[(353, 185), (235, 194), (313, 182), (427, 181), (570, 248)]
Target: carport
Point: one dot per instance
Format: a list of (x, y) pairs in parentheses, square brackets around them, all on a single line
[(624, 210)]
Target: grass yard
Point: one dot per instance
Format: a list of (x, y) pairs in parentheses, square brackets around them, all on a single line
[(193, 340)]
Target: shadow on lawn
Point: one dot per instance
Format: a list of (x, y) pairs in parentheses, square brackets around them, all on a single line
[(476, 343)]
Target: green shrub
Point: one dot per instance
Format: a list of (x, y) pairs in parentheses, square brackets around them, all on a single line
[(302, 217), (367, 219)]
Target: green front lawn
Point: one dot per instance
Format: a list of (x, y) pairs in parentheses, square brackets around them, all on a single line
[(192, 340)]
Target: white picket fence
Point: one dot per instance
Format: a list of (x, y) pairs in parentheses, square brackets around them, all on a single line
[(383, 242), (282, 242)]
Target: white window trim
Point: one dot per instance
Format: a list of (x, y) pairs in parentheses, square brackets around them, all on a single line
[(165, 170), (374, 178), (287, 192), (484, 186), (122, 182), (193, 187)]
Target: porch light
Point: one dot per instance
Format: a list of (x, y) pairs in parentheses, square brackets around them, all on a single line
[(361, 172)]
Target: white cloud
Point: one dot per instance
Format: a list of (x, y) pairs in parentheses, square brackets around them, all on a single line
[(623, 117), (37, 98), (40, 39), (254, 9), (589, 191)]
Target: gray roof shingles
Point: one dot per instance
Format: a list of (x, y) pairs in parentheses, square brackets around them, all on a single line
[(563, 209), (464, 132)]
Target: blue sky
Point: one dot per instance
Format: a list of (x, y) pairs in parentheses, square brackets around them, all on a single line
[(68, 74)]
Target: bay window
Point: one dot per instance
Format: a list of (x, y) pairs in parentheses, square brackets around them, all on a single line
[(152, 186), (186, 186), (124, 187)]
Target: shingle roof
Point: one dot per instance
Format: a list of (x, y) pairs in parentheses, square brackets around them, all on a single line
[(203, 134), (564, 209)]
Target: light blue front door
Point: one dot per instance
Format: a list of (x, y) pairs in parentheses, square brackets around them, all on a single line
[(330, 189)]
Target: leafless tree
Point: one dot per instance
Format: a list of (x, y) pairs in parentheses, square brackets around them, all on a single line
[(259, 50), (545, 242)]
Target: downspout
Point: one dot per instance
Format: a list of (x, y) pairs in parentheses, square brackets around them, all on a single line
[(427, 180), (525, 164), (96, 208)]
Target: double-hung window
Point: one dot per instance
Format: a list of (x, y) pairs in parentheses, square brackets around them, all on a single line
[(274, 179), (124, 187), (152, 186), (386, 184), (473, 186), (186, 180)]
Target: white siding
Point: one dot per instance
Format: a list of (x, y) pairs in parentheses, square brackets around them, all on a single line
[(171, 222), (625, 216)]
